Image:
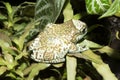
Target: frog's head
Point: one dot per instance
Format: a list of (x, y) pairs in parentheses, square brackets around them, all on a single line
[(82, 30)]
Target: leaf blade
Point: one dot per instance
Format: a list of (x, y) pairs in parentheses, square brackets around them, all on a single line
[(47, 11), (97, 6), (112, 10)]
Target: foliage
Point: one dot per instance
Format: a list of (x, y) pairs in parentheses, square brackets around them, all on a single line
[(103, 7), (19, 25)]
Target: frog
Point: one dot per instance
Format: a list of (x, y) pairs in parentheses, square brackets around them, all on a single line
[(57, 40)]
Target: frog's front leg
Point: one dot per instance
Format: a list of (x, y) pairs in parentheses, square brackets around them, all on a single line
[(77, 48)]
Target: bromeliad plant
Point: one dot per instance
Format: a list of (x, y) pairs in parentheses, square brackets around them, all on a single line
[(19, 27)]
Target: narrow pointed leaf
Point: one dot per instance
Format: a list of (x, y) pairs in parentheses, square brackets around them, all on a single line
[(36, 69), (68, 11), (90, 44)]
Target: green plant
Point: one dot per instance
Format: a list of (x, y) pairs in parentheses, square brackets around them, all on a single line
[(103, 7), (19, 27), (12, 41)]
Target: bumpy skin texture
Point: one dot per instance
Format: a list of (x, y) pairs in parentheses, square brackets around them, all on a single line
[(57, 40)]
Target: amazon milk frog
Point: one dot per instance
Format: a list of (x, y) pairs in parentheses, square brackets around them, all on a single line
[(56, 40)]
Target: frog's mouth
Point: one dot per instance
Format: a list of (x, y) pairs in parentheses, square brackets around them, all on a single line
[(80, 37)]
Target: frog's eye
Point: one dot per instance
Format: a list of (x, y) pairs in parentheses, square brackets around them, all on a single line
[(83, 30)]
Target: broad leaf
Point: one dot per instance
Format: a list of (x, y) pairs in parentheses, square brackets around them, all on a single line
[(47, 11), (114, 8), (97, 6)]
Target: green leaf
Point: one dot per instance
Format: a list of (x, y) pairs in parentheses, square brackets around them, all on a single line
[(47, 11), (20, 41), (26, 10), (2, 61), (68, 11), (8, 7), (92, 56), (5, 38), (64, 76), (5, 31), (19, 72), (10, 13), (11, 75), (8, 58), (6, 47), (35, 70), (104, 70), (118, 13), (90, 44), (79, 78), (19, 27), (28, 69), (2, 69), (71, 63), (23, 66), (10, 63), (97, 6), (2, 17), (58, 65), (32, 66), (114, 8), (77, 16), (110, 52), (20, 55)]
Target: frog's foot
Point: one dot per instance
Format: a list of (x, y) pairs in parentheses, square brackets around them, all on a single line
[(81, 48)]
